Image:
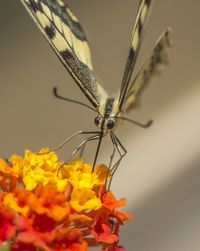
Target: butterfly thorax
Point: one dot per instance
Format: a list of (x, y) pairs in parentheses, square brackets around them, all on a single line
[(108, 114)]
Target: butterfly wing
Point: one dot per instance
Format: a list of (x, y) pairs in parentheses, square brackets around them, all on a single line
[(65, 35), (138, 31), (153, 65)]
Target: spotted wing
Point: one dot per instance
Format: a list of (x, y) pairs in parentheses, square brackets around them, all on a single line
[(65, 35), (152, 65), (138, 31)]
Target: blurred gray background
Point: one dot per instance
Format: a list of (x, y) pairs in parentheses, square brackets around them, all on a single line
[(160, 175)]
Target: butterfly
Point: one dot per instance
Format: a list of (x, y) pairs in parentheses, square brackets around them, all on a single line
[(65, 35)]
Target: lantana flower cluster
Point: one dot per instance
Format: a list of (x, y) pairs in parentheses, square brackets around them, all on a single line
[(42, 208)]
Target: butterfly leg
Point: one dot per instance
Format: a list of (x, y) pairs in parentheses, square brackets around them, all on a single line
[(73, 136), (82, 151), (93, 137), (112, 157), (83, 146), (122, 152), (110, 164)]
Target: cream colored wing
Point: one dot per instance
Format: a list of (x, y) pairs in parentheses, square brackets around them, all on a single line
[(150, 68), (138, 30), (65, 35)]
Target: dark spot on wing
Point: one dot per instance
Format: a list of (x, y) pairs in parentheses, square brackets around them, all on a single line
[(82, 72), (131, 57), (139, 27), (50, 31), (62, 13), (148, 2), (156, 58), (131, 54), (35, 6)]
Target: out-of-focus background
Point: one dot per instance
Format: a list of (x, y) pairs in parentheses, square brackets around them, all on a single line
[(160, 175)]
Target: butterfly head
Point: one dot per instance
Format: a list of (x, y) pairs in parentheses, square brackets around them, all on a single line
[(106, 120), (105, 124)]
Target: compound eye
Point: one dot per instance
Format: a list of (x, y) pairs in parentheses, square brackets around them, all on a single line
[(110, 123), (97, 120)]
